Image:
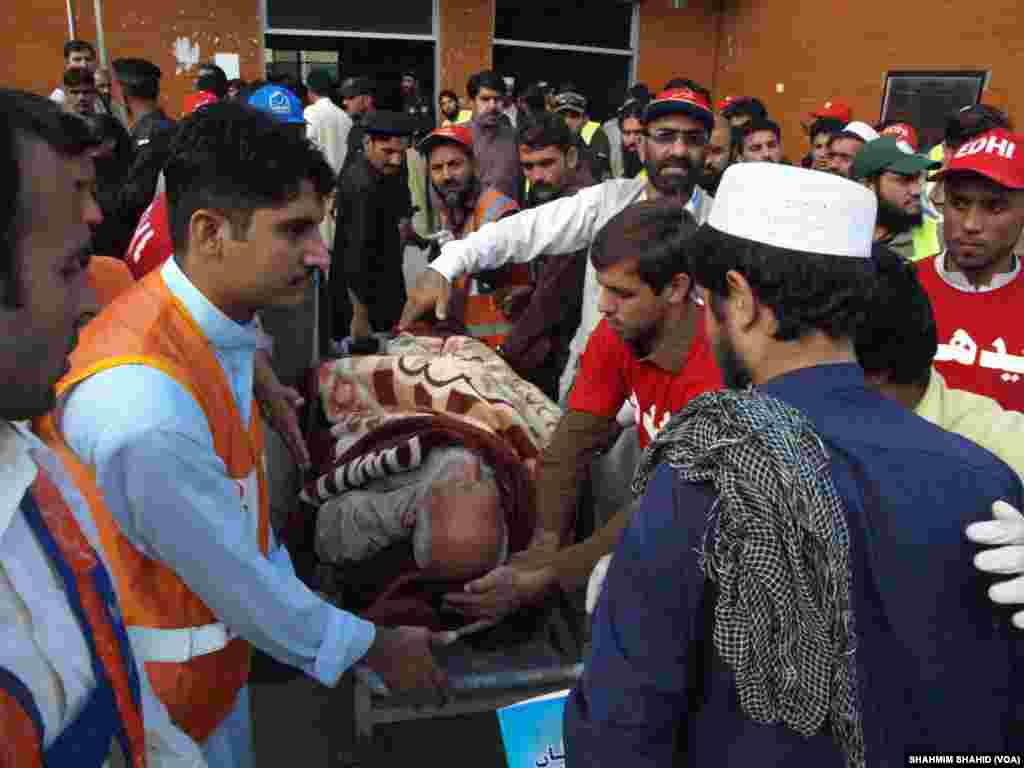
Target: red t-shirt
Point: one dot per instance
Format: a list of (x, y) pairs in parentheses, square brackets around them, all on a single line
[(610, 374), (151, 244), (981, 336)]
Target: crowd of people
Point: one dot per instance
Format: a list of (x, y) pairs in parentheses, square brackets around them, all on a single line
[(816, 549)]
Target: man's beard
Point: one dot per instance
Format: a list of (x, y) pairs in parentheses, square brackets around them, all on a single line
[(631, 163), (541, 193), (709, 180), (896, 220), (672, 184), (489, 120), (735, 373), (455, 197)]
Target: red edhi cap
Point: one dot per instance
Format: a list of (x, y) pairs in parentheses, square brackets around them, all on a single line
[(459, 134), (839, 110), (194, 101), (681, 100), (997, 155), (903, 132)]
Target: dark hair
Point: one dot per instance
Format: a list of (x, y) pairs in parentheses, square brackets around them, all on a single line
[(639, 91), (846, 135), (633, 108), (145, 89), (78, 46), (76, 76), (485, 79), (748, 105), (756, 125), (829, 125), (898, 334), (27, 117), (971, 122), (536, 101), (685, 82), (236, 159), (545, 129), (448, 93), (109, 237), (213, 79), (807, 292), (652, 233)]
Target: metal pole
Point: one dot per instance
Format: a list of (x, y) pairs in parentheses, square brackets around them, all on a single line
[(101, 44), (71, 21)]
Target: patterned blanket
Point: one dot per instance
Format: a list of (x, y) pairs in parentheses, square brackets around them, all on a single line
[(388, 411)]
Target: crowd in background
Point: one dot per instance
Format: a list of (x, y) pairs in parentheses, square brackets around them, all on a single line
[(815, 352)]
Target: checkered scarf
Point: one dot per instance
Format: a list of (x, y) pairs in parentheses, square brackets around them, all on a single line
[(777, 545)]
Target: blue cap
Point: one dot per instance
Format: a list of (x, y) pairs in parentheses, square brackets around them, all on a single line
[(279, 102)]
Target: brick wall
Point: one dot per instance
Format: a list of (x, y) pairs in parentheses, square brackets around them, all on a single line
[(842, 49), (466, 31), (677, 42), (131, 29)]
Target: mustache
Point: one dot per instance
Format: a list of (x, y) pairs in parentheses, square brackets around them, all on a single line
[(679, 162)]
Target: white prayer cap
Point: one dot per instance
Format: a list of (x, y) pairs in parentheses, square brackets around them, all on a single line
[(863, 130), (796, 209)]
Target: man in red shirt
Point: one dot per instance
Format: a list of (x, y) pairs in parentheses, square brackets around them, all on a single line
[(975, 285), (650, 349)]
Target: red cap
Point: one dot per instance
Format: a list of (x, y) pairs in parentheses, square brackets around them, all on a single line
[(903, 132), (459, 134), (684, 100), (194, 101), (839, 110), (724, 103), (997, 155)]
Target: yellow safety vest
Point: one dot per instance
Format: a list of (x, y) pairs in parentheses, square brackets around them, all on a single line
[(588, 132), (465, 116)]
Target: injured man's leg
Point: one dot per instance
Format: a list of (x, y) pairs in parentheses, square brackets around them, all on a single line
[(450, 508)]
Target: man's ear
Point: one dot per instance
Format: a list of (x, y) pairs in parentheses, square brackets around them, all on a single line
[(207, 230), (679, 288), (572, 157), (742, 299)]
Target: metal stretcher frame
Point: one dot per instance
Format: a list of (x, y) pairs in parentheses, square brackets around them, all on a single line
[(479, 682)]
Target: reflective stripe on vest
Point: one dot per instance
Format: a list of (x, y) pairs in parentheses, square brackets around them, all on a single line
[(179, 645), (587, 134), (149, 326)]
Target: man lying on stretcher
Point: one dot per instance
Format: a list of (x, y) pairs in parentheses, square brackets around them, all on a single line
[(651, 350)]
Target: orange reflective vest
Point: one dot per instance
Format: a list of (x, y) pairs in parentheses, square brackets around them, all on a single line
[(150, 326), (484, 318)]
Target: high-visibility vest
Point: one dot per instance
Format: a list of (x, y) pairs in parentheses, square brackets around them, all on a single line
[(112, 713), (195, 664), (464, 116), (483, 316), (926, 239), (587, 134)]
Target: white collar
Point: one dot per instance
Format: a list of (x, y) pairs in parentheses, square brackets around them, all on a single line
[(220, 330), (17, 470), (957, 280)]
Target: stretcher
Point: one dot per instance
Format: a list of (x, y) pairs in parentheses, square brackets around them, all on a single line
[(539, 652)]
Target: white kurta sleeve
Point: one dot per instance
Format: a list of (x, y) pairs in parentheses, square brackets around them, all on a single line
[(174, 500), (565, 225)]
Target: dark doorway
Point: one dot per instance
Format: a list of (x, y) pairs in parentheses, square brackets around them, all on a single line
[(603, 78), (382, 59)]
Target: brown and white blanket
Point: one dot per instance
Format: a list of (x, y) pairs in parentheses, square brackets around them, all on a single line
[(389, 411)]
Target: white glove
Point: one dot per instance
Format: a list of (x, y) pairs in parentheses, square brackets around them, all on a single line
[(1006, 534), (596, 582)]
